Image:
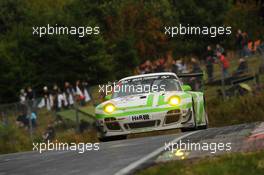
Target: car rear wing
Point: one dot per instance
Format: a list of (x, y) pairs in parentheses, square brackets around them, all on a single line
[(195, 80), (188, 75)]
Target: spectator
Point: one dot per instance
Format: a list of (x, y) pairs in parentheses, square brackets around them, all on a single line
[(242, 67), (22, 96), (79, 92), (195, 82), (260, 48), (209, 63), (158, 66), (68, 94), (55, 93), (22, 120), (61, 100), (49, 133), (224, 62), (239, 43), (178, 67), (169, 61), (219, 48), (174, 68), (86, 91), (246, 51), (148, 67), (33, 118), (30, 94), (195, 66), (46, 100)]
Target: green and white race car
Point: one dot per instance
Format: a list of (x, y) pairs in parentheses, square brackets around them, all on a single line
[(150, 102)]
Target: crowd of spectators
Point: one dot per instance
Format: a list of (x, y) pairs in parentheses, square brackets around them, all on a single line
[(216, 55), (56, 98)]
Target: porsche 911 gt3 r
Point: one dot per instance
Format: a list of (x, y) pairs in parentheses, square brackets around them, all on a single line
[(168, 105)]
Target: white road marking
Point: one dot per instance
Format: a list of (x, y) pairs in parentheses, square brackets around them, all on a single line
[(135, 164)]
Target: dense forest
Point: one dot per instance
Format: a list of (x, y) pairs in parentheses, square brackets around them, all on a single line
[(131, 31)]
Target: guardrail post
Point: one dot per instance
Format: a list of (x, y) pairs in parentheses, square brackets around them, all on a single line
[(76, 106), (5, 118), (223, 83), (29, 113)]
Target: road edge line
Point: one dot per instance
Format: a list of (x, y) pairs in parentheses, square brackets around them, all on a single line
[(137, 163)]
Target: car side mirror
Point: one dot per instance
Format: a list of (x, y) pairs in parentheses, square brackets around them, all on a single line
[(108, 97), (186, 88)]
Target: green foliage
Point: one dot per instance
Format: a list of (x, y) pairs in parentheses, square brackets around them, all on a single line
[(130, 32), (246, 18)]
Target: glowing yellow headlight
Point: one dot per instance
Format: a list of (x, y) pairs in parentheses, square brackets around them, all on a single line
[(109, 108), (174, 100)]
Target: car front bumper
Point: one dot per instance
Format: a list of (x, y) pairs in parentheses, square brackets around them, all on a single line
[(125, 125)]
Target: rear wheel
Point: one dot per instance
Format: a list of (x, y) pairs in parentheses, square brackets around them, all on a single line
[(206, 123)]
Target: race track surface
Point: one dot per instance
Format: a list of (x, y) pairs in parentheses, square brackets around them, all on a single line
[(120, 157)]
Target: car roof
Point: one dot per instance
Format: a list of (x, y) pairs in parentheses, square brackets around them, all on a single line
[(150, 74)]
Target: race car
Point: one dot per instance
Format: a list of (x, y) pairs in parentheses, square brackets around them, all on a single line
[(150, 102)]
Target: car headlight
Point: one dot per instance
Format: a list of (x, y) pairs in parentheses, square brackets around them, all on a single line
[(174, 100), (109, 108)]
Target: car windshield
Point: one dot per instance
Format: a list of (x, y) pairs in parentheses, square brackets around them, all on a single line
[(145, 85)]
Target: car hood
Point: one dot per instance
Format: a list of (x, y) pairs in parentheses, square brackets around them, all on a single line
[(142, 100)]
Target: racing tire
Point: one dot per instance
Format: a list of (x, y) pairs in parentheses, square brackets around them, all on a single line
[(194, 127), (204, 126), (206, 118)]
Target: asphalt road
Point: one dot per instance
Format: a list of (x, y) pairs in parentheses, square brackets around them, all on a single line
[(119, 157)]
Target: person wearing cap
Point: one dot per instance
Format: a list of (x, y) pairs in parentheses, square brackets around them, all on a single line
[(46, 99)]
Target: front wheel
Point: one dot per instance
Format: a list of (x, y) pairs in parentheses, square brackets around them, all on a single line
[(194, 119)]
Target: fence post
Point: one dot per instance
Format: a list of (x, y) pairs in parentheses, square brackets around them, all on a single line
[(77, 117), (223, 83), (5, 118), (29, 113)]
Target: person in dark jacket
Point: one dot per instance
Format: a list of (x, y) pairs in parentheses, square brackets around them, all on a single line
[(49, 133), (209, 57), (195, 82), (242, 67), (239, 43)]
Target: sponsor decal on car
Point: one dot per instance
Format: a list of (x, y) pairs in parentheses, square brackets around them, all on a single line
[(140, 117)]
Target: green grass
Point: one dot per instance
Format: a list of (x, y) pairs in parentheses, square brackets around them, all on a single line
[(231, 164), (237, 110), (86, 114), (16, 139)]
